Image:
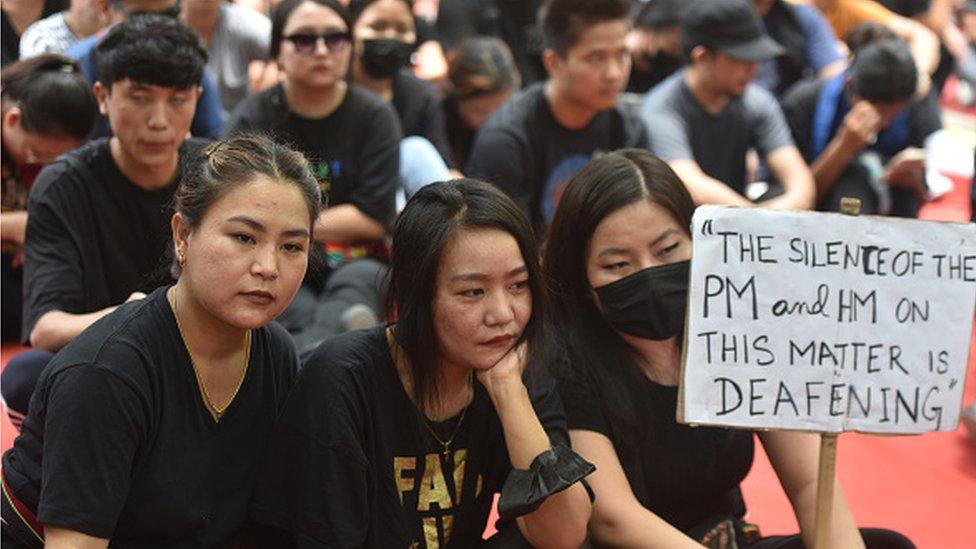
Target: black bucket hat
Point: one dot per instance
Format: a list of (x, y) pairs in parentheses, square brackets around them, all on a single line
[(731, 27)]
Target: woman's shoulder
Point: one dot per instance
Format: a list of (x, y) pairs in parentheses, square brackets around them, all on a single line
[(125, 343), (349, 357), (362, 102), (404, 82)]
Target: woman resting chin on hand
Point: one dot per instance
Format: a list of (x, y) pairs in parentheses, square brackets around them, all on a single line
[(400, 435)]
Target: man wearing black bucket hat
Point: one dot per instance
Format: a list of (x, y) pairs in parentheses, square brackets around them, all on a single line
[(704, 119)]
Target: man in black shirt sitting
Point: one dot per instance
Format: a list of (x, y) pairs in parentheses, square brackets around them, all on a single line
[(99, 217), (533, 145)]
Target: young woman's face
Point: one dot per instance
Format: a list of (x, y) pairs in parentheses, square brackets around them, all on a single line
[(482, 299), (29, 148), (326, 62), (636, 237), (385, 19), (247, 257)]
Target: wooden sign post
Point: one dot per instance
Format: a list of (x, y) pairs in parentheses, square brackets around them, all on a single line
[(828, 448), (827, 323)]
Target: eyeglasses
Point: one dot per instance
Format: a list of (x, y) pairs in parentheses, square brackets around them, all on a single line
[(305, 43)]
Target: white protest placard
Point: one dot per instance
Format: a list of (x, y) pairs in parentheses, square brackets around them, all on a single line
[(827, 322)]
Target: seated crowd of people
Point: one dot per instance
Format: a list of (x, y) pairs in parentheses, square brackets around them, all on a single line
[(336, 273)]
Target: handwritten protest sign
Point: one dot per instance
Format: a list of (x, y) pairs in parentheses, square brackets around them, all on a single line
[(827, 322)]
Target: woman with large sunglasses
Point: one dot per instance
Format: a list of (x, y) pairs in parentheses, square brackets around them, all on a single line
[(352, 139)]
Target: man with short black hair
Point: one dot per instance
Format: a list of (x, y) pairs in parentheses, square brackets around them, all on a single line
[(704, 119), (98, 229), (852, 128), (209, 117), (539, 139)]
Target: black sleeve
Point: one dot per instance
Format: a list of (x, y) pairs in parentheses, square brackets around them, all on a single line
[(379, 160), (315, 484), (53, 278), (548, 406), (500, 158), (798, 105), (924, 119), (94, 424), (583, 409)]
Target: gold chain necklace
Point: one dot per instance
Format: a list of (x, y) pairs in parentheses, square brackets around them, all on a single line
[(457, 428), (217, 411)]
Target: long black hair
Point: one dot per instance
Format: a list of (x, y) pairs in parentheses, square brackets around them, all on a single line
[(425, 227), (594, 352)]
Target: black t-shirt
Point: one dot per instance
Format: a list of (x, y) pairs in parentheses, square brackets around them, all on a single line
[(354, 151), (800, 107), (685, 475), (94, 236), (352, 465), (10, 41), (420, 112), (525, 152), (119, 438)]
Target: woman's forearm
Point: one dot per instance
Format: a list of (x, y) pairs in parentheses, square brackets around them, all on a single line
[(561, 520)]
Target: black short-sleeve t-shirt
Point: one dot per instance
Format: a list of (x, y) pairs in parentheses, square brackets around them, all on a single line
[(525, 152), (351, 463), (119, 444), (94, 236), (685, 475), (354, 151), (420, 112)]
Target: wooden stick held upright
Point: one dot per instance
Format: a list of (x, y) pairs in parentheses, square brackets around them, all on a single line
[(828, 447)]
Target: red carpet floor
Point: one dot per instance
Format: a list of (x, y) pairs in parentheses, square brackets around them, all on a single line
[(923, 486)]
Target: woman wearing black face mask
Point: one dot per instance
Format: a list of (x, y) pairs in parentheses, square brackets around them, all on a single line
[(618, 253), (385, 39)]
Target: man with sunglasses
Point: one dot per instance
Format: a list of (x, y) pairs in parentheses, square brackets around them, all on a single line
[(351, 137), (209, 118)]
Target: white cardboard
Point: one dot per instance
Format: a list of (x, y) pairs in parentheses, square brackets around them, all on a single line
[(910, 303)]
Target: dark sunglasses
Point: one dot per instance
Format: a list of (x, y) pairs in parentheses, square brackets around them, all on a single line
[(335, 42)]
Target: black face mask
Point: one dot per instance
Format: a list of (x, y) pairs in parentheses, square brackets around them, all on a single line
[(663, 64), (383, 57), (650, 303)]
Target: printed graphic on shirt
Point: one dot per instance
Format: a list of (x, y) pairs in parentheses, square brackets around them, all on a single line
[(557, 180), (433, 486), (325, 172)]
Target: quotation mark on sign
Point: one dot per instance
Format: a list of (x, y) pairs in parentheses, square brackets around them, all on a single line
[(707, 228), (953, 383)]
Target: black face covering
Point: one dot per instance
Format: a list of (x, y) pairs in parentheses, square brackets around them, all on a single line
[(663, 64), (383, 57), (649, 304)]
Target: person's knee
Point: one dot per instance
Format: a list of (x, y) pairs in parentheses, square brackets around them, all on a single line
[(20, 376), (420, 164)]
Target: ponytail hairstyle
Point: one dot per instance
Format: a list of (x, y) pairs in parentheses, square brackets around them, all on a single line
[(54, 99)]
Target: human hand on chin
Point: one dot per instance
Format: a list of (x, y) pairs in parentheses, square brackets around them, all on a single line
[(507, 372)]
